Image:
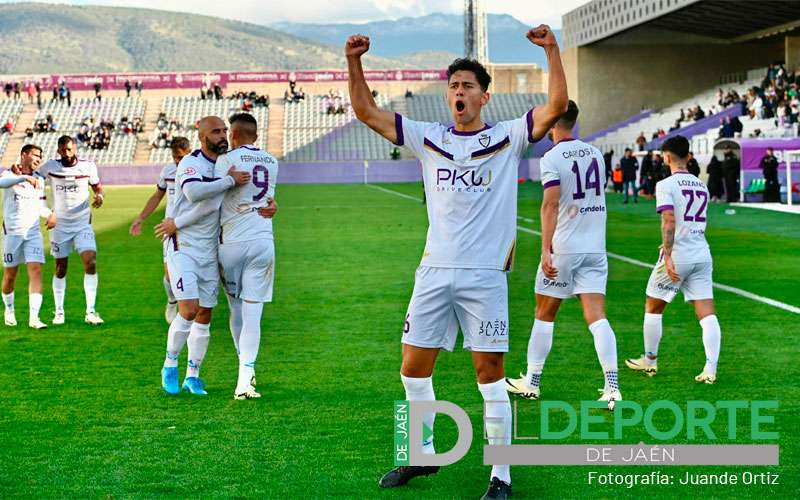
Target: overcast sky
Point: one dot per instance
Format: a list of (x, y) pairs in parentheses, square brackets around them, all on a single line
[(342, 11)]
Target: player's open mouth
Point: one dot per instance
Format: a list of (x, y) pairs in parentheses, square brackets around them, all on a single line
[(460, 106)]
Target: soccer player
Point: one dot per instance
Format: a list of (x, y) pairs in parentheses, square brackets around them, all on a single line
[(70, 179), (573, 258), (23, 204), (180, 147), (192, 253), (470, 177), (684, 263), (246, 248)]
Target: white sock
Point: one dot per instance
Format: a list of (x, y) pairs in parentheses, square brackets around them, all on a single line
[(34, 304), (497, 421), (168, 289), (605, 344), (538, 348), (235, 320), (90, 289), (652, 336), (248, 343), (421, 389), (8, 301), (199, 335), (712, 336), (59, 290), (176, 338)]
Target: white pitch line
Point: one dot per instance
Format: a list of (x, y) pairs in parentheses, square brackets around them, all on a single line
[(737, 291)]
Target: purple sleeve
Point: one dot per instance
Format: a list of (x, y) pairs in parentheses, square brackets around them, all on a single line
[(398, 127), (664, 207)]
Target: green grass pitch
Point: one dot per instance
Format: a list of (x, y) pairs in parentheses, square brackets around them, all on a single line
[(82, 413)]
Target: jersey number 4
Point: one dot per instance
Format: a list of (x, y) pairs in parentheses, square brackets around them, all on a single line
[(261, 181), (592, 180)]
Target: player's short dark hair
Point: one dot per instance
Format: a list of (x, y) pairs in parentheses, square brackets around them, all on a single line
[(570, 116), (466, 64), (30, 147), (244, 118), (678, 145), (180, 144), (64, 140)]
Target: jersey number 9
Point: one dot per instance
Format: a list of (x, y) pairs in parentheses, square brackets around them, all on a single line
[(261, 181)]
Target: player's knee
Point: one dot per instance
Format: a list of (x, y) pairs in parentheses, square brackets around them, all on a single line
[(61, 268), (203, 315), (489, 368), (90, 264), (545, 312), (654, 306)]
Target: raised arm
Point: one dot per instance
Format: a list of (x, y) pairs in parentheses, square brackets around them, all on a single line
[(199, 191), (544, 117), (379, 120), (549, 216)]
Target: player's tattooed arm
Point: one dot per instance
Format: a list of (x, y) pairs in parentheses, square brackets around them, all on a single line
[(544, 117), (364, 106), (668, 241)]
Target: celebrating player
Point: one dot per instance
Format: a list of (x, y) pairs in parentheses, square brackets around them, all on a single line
[(470, 177), (573, 258), (23, 204), (192, 253), (166, 185), (246, 248), (684, 263), (70, 179)]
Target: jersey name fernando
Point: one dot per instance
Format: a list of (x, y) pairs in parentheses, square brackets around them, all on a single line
[(239, 218)]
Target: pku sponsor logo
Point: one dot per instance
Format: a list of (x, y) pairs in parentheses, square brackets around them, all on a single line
[(457, 180), (67, 188)]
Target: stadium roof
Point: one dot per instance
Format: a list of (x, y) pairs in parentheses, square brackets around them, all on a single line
[(720, 21)]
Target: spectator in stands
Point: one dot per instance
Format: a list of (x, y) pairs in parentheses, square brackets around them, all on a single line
[(617, 178), (8, 128), (757, 107), (730, 170), (725, 128), (128, 87), (641, 141), (714, 172), (769, 166), (660, 169), (607, 158), (8, 88), (139, 87), (56, 93), (31, 91), (204, 91), (692, 166), (17, 90), (630, 167), (217, 92), (676, 126), (69, 97), (699, 114), (409, 94), (38, 87), (29, 133), (97, 88), (646, 180), (737, 125)]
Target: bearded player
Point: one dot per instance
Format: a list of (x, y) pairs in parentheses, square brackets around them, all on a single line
[(70, 179), (470, 177)]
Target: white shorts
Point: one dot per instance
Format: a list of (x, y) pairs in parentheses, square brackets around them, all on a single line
[(444, 299), (193, 278), (578, 273), (695, 281), (248, 269), (23, 249), (62, 242)]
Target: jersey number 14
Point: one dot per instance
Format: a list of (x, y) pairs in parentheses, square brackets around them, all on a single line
[(592, 180)]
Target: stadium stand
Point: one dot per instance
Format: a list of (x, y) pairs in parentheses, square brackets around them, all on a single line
[(185, 111), (9, 111), (87, 113)]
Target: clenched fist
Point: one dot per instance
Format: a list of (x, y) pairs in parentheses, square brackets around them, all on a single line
[(542, 36), (356, 46)]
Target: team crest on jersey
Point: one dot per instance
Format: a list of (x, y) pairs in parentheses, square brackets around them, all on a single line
[(485, 140), (190, 171)]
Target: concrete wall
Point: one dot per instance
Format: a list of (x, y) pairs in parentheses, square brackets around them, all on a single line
[(613, 82), (506, 78), (792, 52)]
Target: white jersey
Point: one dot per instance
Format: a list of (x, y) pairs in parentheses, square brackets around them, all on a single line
[(239, 219), (202, 237), (471, 188), (688, 197), (23, 204), (70, 189), (166, 183), (576, 167)]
